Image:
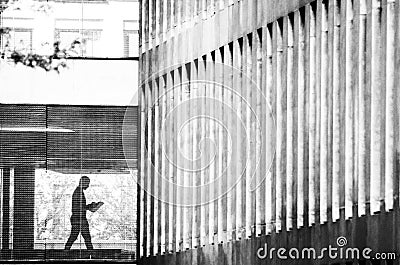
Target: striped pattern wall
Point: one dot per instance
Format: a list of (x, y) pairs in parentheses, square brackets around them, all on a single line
[(328, 71), (79, 138)]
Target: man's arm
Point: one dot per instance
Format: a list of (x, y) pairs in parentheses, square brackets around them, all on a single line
[(90, 206)]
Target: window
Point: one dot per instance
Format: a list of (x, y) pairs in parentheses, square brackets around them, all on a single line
[(111, 227), (90, 43), (131, 38), (89, 38), (66, 36), (19, 39)]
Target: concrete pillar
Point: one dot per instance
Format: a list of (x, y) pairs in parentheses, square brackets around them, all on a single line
[(349, 108), (202, 135), (280, 125), (249, 153), (362, 109), (220, 170), (179, 145), (259, 124), (243, 118), (150, 167), (301, 117), (186, 154), (5, 210), (324, 140), (317, 7), (24, 207), (213, 214), (163, 174), (377, 93), (143, 175), (391, 86), (291, 133), (313, 118), (270, 148), (238, 64), (158, 20), (230, 120), (157, 168), (172, 167), (336, 115), (262, 111), (196, 155)]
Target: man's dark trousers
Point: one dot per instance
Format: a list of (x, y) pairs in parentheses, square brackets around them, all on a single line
[(79, 225)]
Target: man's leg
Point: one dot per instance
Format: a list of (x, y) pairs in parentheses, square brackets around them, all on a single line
[(75, 229), (86, 235)]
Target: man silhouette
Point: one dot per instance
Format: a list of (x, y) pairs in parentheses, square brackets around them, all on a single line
[(79, 223)]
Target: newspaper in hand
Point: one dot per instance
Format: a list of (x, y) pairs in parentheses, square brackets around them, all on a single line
[(95, 206)]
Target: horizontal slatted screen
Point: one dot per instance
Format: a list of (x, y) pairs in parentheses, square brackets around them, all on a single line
[(69, 138), (16, 145)]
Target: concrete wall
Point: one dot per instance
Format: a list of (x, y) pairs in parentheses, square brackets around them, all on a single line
[(82, 82), (314, 90)]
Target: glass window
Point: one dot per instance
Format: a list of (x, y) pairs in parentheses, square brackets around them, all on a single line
[(111, 227), (19, 39), (131, 38)]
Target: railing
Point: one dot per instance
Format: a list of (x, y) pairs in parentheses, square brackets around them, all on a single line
[(129, 245)]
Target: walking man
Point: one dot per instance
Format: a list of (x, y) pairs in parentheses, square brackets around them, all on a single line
[(79, 223)]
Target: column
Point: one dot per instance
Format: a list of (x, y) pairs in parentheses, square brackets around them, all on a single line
[(24, 207)]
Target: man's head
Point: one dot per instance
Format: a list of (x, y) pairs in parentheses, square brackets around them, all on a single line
[(84, 182)]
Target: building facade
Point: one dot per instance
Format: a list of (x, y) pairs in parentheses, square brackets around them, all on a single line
[(35, 25), (309, 89)]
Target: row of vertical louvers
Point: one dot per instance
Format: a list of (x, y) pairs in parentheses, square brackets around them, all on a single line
[(329, 71)]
